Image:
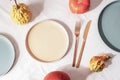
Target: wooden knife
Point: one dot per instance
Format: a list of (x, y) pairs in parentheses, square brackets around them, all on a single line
[(83, 43)]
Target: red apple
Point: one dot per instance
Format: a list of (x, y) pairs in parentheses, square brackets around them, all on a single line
[(57, 75), (79, 6)]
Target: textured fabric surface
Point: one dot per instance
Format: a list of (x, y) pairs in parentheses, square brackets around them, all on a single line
[(27, 68)]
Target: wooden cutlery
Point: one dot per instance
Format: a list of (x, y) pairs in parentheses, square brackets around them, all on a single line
[(83, 43)]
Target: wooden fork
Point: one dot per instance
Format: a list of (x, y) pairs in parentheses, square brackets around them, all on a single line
[(77, 33)]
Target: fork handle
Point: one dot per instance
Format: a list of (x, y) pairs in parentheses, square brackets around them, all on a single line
[(75, 51)]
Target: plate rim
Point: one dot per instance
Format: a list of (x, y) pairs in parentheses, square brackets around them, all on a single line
[(29, 50), (105, 40), (13, 54)]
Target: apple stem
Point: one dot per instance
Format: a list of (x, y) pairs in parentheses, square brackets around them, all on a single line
[(16, 4)]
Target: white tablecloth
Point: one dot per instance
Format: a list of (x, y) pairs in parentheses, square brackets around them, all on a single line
[(27, 68)]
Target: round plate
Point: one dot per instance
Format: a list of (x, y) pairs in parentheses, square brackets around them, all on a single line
[(109, 25), (47, 41), (7, 54)]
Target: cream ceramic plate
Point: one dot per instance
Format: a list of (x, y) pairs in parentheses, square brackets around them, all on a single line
[(47, 41)]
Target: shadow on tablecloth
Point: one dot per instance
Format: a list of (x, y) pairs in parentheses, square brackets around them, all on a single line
[(76, 73), (36, 8), (94, 4)]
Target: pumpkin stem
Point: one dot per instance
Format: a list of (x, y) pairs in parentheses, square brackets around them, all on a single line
[(16, 4)]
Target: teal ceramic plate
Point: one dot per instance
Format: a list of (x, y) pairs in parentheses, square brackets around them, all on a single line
[(7, 55), (109, 25)]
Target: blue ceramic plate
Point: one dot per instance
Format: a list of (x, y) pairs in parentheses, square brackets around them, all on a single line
[(109, 25), (7, 55)]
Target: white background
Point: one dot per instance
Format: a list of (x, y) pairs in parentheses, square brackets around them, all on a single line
[(27, 68)]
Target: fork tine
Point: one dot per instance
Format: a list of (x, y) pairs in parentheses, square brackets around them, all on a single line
[(77, 28)]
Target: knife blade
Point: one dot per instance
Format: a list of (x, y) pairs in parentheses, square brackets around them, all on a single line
[(86, 30)]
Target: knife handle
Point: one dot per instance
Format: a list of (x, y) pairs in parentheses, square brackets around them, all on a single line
[(80, 55)]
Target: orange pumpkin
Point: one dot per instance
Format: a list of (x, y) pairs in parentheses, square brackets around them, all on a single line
[(57, 75), (79, 6)]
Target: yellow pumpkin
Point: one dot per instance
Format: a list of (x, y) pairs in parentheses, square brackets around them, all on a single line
[(21, 14), (97, 63)]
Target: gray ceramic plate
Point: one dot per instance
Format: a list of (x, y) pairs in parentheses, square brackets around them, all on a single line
[(109, 25), (7, 54)]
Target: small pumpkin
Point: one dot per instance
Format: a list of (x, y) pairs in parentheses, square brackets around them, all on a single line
[(97, 63), (79, 6), (20, 13), (57, 75)]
